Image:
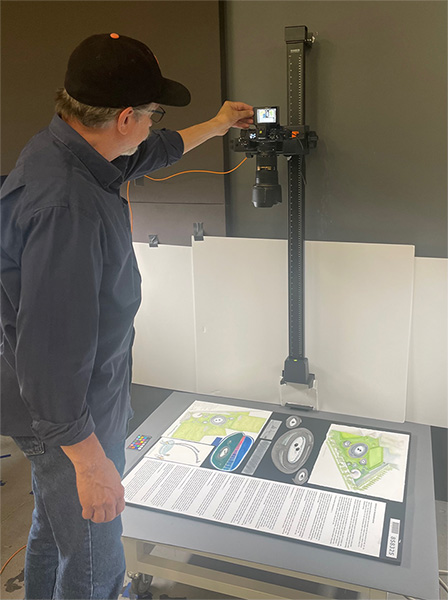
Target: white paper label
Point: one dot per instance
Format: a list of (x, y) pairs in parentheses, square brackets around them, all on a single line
[(393, 538)]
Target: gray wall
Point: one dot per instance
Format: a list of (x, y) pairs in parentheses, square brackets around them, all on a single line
[(37, 39), (376, 95)]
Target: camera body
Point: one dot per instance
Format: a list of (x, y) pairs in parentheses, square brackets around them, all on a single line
[(265, 141), (267, 123)]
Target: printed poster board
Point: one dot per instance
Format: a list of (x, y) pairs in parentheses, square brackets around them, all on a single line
[(311, 480)]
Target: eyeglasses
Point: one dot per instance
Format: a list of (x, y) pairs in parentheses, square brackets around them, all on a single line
[(157, 115)]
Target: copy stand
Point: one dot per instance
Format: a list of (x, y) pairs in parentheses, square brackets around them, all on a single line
[(266, 142), (296, 365)]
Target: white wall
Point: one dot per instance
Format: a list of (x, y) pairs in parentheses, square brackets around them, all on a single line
[(214, 320)]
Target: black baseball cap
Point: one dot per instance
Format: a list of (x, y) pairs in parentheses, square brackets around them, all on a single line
[(115, 71)]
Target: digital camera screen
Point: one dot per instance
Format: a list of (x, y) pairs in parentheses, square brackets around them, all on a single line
[(266, 115)]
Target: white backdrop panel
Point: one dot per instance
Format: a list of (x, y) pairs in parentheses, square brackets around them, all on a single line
[(241, 316), (358, 318), (358, 323), (428, 365), (164, 348)]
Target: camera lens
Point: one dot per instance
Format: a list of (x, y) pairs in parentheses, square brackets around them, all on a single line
[(266, 192), (266, 196)]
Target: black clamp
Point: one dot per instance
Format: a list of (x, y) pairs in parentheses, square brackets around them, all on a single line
[(198, 232), (153, 241)]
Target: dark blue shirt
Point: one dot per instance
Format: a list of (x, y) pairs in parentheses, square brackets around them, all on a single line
[(70, 286)]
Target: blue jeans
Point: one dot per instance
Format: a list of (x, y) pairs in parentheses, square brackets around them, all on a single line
[(68, 557)]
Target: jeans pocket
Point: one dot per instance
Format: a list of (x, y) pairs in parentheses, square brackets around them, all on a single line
[(30, 445)]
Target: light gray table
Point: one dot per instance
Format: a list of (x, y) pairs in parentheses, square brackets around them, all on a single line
[(249, 564)]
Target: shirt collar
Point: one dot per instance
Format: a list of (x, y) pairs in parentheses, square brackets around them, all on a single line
[(104, 171)]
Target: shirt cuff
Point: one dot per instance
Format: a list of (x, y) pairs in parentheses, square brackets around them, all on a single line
[(64, 434)]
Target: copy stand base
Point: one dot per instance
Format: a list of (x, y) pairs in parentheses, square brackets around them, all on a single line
[(296, 371)]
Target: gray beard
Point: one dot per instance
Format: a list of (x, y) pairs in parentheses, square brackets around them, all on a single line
[(130, 152)]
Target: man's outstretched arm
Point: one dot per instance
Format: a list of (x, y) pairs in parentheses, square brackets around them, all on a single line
[(231, 114)]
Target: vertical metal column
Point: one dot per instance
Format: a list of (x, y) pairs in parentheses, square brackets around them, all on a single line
[(296, 365)]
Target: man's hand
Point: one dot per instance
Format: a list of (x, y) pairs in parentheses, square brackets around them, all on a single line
[(233, 114), (99, 486), (100, 492)]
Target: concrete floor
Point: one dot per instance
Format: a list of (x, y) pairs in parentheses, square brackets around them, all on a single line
[(17, 505)]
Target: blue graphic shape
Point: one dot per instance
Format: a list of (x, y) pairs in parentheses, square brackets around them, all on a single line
[(231, 451)]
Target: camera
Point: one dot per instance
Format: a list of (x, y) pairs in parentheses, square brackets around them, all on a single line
[(265, 140)]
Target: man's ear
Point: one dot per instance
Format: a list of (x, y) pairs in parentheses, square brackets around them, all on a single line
[(125, 120)]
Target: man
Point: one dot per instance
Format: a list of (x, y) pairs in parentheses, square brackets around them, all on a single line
[(70, 290)]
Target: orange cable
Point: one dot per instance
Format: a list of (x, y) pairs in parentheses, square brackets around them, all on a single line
[(198, 171), (175, 175), (10, 559)]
